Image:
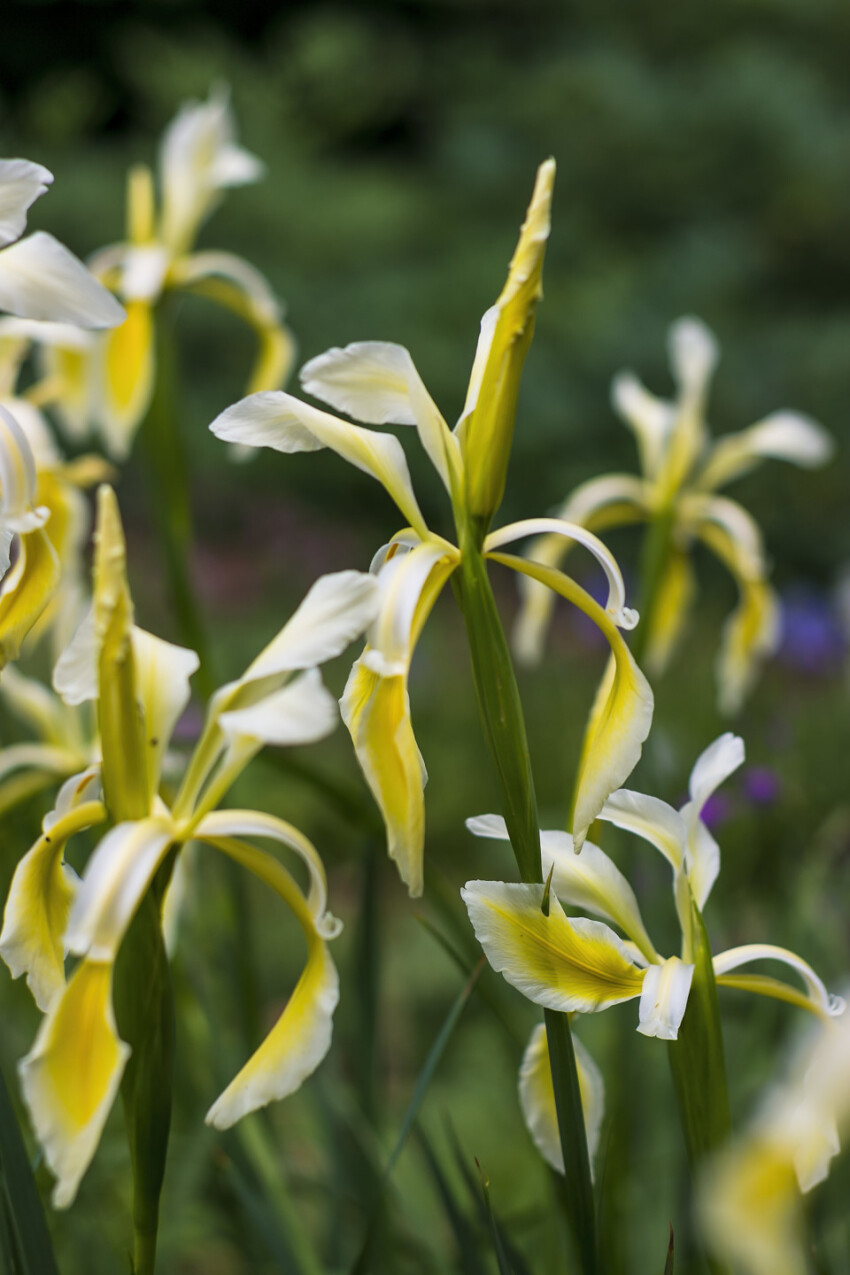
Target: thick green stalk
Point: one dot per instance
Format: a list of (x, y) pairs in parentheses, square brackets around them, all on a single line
[(144, 1012), (171, 503), (698, 1064), (504, 728)]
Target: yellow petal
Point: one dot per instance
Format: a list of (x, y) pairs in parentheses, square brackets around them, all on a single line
[(39, 903), (537, 1097), (71, 1075), (751, 1210), (27, 589), (675, 593), (127, 378), (559, 962), (376, 711), (301, 1036)]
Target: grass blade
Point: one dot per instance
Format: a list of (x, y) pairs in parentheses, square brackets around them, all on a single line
[(668, 1265), (463, 1230), (25, 1230)]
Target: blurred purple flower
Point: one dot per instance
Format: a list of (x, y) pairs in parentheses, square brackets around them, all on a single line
[(716, 810), (812, 638), (762, 785)]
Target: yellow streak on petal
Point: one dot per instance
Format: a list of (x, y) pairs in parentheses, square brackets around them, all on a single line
[(558, 962), (27, 589), (376, 711), (71, 1075), (128, 373)]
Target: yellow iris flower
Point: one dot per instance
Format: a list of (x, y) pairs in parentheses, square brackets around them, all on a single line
[(681, 472), (108, 382), (377, 383), (141, 685), (578, 965)]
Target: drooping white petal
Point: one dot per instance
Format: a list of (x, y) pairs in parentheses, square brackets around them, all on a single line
[(649, 818), (559, 962), (624, 617), (787, 436), (117, 875), (537, 1097), (71, 1075), (21, 183), (588, 880), (282, 422), (302, 712), (724, 962), (664, 998), (377, 382), (41, 279)]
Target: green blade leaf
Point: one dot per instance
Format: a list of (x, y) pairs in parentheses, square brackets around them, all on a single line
[(24, 1229), (463, 1230), (668, 1265)]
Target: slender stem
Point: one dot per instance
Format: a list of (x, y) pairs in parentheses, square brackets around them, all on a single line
[(171, 502), (504, 728), (698, 1064)]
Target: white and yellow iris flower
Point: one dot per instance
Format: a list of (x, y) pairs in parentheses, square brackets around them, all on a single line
[(141, 686), (749, 1197), (108, 383), (579, 965), (682, 470), (39, 278), (377, 383)]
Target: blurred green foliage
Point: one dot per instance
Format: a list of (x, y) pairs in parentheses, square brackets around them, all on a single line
[(704, 167)]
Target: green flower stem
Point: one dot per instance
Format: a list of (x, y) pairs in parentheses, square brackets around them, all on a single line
[(504, 728), (698, 1064), (655, 554), (171, 503), (144, 1012)]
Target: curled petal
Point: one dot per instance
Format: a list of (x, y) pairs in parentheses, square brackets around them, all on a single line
[(664, 998), (17, 478), (713, 766), (817, 996), (284, 423), (21, 183), (301, 1036), (621, 714), (71, 1075), (40, 279), (782, 435), (537, 1097), (559, 962), (376, 710), (409, 585), (377, 382), (624, 617)]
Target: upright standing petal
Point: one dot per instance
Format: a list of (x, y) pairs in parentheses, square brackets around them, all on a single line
[(664, 998), (125, 363)]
